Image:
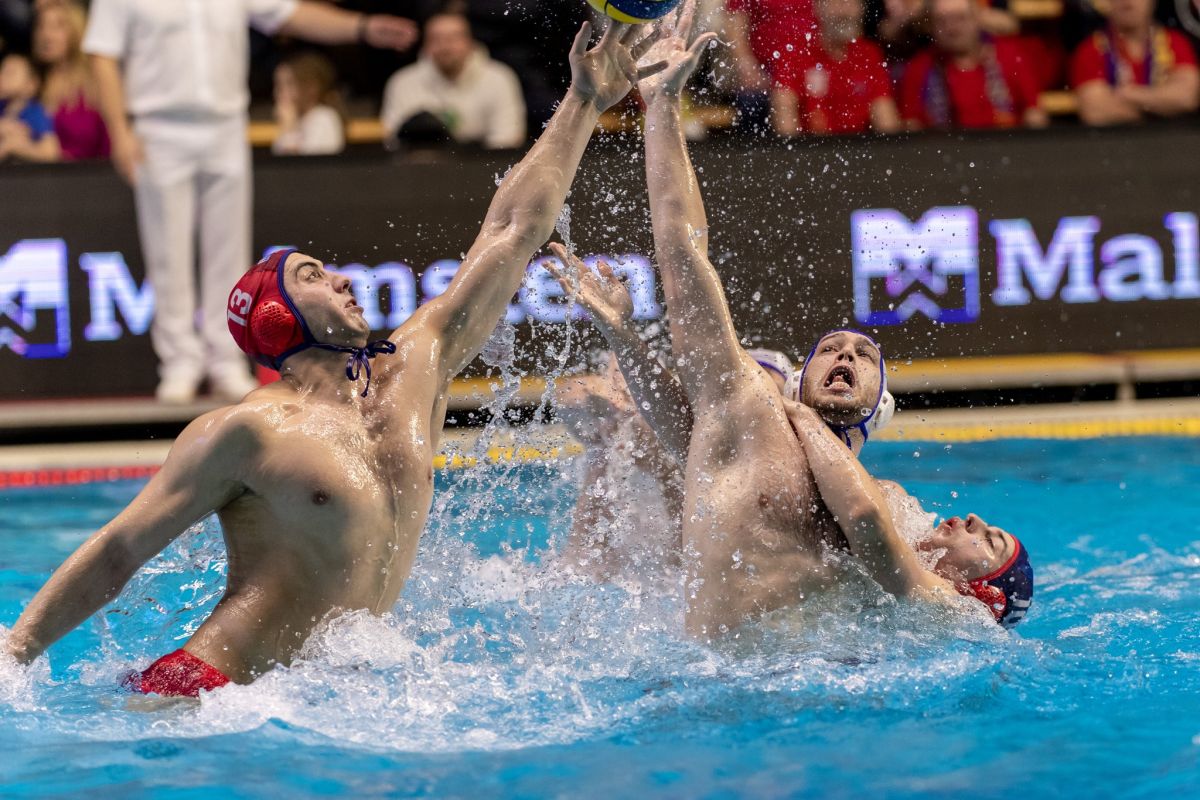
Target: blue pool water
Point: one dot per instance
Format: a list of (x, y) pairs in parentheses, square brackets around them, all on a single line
[(497, 675)]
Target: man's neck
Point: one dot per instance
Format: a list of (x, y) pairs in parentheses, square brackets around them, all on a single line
[(968, 59), (320, 375), (835, 48), (453, 73), (1134, 36)]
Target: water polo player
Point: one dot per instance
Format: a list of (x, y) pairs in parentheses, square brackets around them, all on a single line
[(322, 483)]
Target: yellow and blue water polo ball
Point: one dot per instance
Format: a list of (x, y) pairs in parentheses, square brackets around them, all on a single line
[(634, 11)]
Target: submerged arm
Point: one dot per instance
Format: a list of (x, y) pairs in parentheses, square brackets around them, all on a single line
[(198, 477)]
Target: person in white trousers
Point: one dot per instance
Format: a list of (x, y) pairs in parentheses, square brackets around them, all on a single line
[(172, 80)]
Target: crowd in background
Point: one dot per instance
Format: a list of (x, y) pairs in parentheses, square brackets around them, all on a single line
[(487, 72)]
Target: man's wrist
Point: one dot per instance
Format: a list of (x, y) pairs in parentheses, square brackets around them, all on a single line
[(364, 22), (586, 103)]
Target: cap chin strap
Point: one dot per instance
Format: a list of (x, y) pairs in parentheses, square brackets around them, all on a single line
[(843, 431), (359, 358)]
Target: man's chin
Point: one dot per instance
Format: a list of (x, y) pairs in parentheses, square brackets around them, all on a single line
[(839, 409)]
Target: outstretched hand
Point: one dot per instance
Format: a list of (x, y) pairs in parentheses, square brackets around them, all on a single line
[(601, 292), (673, 49), (607, 72)]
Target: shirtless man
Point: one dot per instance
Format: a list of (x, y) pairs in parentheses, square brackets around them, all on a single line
[(750, 544), (845, 397), (322, 490), (753, 528)]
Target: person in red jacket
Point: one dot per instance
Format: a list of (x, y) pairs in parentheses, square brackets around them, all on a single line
[(966, 79), (842, 85), (1134, 68)]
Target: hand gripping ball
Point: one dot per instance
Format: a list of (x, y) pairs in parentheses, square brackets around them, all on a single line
[(634, 11)]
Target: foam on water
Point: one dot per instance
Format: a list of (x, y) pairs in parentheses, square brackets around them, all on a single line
[(496, 647)]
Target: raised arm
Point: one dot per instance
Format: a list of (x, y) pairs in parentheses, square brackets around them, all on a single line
[(202, 474), (702, 330), (858, 504), (656, 392), (523, 212)]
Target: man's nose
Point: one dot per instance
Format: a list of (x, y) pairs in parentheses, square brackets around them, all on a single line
[(341, 283)]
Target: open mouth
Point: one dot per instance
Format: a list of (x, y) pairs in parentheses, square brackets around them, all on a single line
[(840, 377)]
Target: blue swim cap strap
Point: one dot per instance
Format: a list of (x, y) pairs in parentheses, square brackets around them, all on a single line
[(360, 358)]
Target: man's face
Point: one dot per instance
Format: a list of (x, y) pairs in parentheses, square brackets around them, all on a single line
[(972, 548), (448, 42), (324, 299), (841, 20), (1130, 13), (955, 26), (841, 381)]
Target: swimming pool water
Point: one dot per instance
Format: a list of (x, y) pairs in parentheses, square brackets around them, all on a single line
[(498, 675)]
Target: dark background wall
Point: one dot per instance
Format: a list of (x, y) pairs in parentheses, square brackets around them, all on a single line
[(781, 236)]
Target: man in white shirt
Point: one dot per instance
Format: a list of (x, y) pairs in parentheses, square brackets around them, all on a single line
[(172, 80), (476, 98)]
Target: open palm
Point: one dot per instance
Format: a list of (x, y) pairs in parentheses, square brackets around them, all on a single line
[(607, 72), (673, 49), (601, 292)]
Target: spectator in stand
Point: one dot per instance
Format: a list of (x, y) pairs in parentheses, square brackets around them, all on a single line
[(306, 107), (769, 37), (1134, 68), (842, 85), (526, 36), (902, 26), (180, 71), (26, 133), (476, 99), (967, 79), (69, 93)]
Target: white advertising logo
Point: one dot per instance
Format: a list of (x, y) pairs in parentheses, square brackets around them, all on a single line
[(35, 314), (931, 266)]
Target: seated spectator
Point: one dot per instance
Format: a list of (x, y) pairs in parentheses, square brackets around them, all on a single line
[(306, 107), (967, 79), (25, 130), (69, 92), (902, 26), (1134, 68), (477, 99), (766, 38), (843, 85)]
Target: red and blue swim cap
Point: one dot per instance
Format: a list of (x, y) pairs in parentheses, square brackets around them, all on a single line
[(1008, 590), (268, 327), (261, 316)]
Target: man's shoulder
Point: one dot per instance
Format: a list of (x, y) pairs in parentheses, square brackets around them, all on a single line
[(241, 423)]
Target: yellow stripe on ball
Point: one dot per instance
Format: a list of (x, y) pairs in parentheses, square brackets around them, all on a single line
[(610, 7)]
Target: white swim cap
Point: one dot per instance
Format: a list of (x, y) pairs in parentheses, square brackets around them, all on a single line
[(885, 405), (775, 361)]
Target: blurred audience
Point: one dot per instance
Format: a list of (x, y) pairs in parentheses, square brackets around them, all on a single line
[(179, 71), (307, 107), (69, 92), (841, 84), (529, 37), (1134, 68), (475, 98), (968, 79), (902, 26), (26, 132)]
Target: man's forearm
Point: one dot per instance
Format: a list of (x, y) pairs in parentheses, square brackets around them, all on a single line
[(91, 577), (111, 93), (321, 23), (656, 392), (675, 198)]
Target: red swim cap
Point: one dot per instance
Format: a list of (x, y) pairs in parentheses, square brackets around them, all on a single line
[(261, 316)]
